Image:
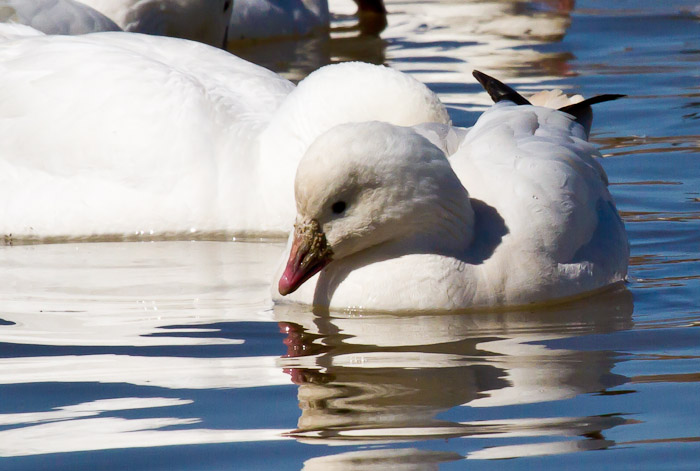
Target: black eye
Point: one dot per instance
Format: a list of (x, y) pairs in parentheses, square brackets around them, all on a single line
[(338, 207), (227, 5)]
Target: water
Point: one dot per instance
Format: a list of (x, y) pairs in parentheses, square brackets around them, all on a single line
[(169, 355)]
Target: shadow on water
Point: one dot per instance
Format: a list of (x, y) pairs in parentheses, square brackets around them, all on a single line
[(365, 378)]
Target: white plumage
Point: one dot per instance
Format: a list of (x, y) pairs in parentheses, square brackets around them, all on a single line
[(537, 224), (265, 19), (123, 134), (115, 134), (56, 16), (258, 19), (200, 20)]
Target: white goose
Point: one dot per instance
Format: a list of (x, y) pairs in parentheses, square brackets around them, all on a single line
[(116, 134), (200, 20), (519, 214), (261, 19), (258, 19), (113, 134), (56, 16)]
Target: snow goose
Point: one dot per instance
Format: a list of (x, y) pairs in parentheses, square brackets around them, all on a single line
[(56, 16), (116, 134), (200, 20), (260, 19), (519, 214)]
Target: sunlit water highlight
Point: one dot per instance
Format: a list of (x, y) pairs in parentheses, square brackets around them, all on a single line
[(170, 355)]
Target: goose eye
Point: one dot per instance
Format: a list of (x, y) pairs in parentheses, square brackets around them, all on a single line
[(338, 207)]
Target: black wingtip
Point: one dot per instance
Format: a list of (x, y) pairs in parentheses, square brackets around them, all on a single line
[(582, 111), (497, 90), (571, 109)]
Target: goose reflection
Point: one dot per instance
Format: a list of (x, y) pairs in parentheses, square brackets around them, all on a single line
[(441, 42), (377, 377), (435, 40)]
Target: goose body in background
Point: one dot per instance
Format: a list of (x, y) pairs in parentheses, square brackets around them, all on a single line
[(200, 20), (259, 19), (56, 16), (262, 19), (116, 134), (389, 218)]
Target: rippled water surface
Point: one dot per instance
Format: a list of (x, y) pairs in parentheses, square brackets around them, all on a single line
[(170, 356)]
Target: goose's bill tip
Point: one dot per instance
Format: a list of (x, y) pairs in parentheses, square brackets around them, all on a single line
[(308, 255)]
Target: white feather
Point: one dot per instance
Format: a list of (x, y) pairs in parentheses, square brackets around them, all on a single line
[(56, 16), (544, 225), (256, 19), (200, 20), (122, 134)]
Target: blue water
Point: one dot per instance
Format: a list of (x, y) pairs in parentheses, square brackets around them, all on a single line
[(170, 356)]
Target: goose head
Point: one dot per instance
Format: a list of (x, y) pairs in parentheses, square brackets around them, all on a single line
[(361, 185)]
